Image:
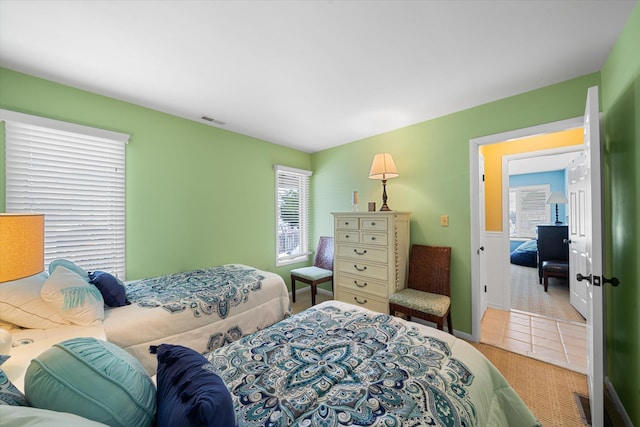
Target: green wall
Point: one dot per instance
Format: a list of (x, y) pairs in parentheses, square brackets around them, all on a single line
[(621, 108), (196, 195), (433, 162)]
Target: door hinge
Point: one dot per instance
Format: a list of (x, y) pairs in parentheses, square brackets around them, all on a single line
[(596, 280), (485, 289)]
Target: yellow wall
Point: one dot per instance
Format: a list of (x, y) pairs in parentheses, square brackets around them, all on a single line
[(493, 154)]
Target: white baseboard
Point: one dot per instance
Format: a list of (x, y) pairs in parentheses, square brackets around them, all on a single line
[(617, 403)]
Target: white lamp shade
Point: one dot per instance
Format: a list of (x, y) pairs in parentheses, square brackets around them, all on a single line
[(556, 197), (383, 167)]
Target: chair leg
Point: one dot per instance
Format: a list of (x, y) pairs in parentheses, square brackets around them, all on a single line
[(449, 324), (314, 290), (293, 289), (546, 281)]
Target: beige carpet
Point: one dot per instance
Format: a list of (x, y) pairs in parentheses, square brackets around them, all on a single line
[(546, 389), (528, 295)]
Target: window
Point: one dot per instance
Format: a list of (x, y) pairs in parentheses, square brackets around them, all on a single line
[(75, 176), (292, 215), (527, 210)]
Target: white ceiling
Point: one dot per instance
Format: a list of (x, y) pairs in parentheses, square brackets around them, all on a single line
[(309, 74)]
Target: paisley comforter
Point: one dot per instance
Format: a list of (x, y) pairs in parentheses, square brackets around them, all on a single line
[(338, 364), (201, 309)]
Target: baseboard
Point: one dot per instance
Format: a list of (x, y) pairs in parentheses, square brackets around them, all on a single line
[(618, 407)]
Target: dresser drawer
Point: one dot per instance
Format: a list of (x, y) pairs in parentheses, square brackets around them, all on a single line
[(374, 238), (374, 224), (361, 285), (363, 300), (347, 223), (359, 252), (363, 269), (347, 237)]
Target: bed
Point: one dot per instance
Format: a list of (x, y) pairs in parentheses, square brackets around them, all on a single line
[(339, 364), (201, 309)]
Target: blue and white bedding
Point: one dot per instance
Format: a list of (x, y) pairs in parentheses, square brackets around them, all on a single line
[(339, 364), (201, 309)]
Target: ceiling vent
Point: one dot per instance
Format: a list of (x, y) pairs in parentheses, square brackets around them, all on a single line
[(212, 120)]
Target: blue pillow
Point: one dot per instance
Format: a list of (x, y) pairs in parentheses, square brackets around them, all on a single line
[(9, 393), (189, 392), (112, 289)]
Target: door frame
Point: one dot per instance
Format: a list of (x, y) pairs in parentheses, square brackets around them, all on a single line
[(474, 151)]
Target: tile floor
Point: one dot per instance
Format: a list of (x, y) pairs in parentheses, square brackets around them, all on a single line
[(554, 341)]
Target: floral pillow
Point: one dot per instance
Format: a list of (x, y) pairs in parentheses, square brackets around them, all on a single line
[(9, 394)]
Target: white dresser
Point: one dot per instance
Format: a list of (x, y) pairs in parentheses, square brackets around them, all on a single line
[(371, 257)]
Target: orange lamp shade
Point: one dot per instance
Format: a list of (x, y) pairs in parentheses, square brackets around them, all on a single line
[(21, 245)]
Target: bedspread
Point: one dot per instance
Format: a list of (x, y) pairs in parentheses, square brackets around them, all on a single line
[(338, 364)]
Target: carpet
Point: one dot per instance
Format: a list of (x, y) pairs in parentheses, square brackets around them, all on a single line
[(548, 390), (528, 295)]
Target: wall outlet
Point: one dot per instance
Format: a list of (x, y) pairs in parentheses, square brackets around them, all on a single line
[(444, 220)]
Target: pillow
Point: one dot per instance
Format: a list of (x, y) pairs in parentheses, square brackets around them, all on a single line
[(189, 392), (69, 265), (15, 416), (22, 305), (9, 394), (94, 379), (76, 300), (112, 289)]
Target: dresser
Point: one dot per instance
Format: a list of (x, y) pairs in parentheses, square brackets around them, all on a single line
[(371, 257)]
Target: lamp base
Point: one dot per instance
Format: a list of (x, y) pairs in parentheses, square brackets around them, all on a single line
[(384, 206)]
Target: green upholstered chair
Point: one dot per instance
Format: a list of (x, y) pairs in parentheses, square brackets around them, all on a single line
[(428, 292), (321, 271)]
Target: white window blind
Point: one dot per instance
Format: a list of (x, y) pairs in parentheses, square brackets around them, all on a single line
[(527, 210), (292, 215), (75, 175)]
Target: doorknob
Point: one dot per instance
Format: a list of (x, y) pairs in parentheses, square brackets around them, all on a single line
[(614, 281), (566, 241), (480, 249), (580, 278)]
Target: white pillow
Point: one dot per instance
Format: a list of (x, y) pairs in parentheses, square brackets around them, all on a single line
[(20, 416), (76, 300), (21, 304)]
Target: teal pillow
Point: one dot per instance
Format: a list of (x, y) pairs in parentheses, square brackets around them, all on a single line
[(94, 379), (70, 266)]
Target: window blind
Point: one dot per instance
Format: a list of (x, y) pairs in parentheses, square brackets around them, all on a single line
[(292, 214), (75, 175), (527, 210)]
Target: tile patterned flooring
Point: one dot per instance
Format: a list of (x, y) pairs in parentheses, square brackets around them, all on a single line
[(558, 342)]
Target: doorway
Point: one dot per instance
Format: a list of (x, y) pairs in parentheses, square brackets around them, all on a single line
[(495, 258)]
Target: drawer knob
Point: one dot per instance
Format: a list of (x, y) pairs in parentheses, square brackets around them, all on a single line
[(359, 284), (360, 253), (373, 238), (346, 223), (373, 224), (359, 269), (358, 301)]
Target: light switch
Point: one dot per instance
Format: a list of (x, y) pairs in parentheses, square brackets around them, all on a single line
[(444, 220)]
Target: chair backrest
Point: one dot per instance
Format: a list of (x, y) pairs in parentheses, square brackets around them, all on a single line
[(324, 253), (429, 269)]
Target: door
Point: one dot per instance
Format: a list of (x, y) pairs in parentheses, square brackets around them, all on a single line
[(593, 257), (483, 234), (578, 212)]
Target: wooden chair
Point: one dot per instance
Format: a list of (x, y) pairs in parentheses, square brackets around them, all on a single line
[(320, 272), (428, 292)]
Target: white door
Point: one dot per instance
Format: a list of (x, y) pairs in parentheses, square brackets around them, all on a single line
[(483, 234), (593, 258), (578, 212)]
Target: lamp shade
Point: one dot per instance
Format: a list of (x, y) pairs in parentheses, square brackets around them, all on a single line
[(556, 197), (21, 245), (383, 167)]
